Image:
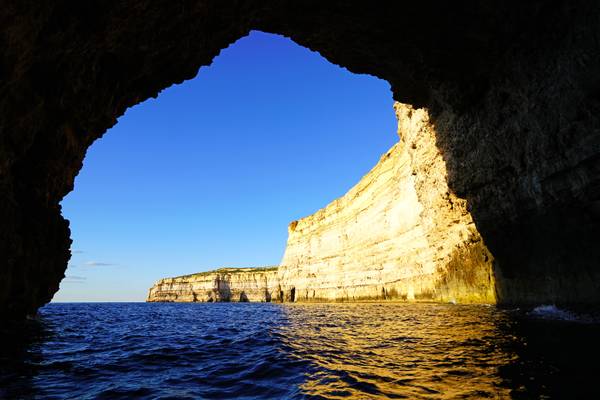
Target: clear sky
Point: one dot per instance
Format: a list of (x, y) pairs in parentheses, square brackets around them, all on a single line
[(211, 172)]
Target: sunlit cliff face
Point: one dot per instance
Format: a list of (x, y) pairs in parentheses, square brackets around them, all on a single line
[(399, 234)]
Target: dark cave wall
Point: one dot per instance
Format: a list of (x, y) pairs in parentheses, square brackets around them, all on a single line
[(526, 156), (69, 69), (512, 87)]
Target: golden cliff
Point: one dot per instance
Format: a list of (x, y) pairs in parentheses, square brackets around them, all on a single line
[(225, 284), (398, 234)]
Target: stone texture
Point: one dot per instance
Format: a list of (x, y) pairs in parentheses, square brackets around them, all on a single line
[(398, 234), (225, 284), (512, 89)]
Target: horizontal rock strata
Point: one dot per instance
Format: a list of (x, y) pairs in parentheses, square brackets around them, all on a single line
[(398, 234), (225, 284)]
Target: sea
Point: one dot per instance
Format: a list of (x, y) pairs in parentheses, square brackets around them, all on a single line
[(300, 351)]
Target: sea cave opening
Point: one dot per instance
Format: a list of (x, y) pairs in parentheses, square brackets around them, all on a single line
[(211, 172), (489, 195)]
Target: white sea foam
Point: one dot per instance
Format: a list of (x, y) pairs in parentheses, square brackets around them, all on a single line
[(550, 311)]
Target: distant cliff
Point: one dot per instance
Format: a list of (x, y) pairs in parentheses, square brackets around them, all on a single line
[(400, 233), (225, 284)]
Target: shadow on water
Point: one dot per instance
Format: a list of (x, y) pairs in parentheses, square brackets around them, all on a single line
[(557, 357), (324, 351), (21, 357)]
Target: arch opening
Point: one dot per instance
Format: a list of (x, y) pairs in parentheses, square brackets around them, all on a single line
[(211, 172), (510, 88)]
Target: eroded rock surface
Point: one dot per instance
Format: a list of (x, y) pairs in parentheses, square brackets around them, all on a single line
[(225, 284), (398, 234)]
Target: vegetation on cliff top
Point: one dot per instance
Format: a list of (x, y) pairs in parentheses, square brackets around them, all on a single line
[(232, 271)]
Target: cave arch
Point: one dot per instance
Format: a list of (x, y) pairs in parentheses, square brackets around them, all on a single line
[(221, 162), (512, 88)]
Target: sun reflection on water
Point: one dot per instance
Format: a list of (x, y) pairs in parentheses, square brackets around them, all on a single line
[(390, 350)]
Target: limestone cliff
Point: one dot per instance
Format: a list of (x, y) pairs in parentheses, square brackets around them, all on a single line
[(398, 234), (225, 284)]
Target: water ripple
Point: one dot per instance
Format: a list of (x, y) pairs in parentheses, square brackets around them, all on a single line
[(313, 351)]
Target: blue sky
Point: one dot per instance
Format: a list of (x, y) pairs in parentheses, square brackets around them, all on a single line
[(211, 172)]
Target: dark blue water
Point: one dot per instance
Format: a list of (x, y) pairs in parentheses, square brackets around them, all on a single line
[(274, 351)]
